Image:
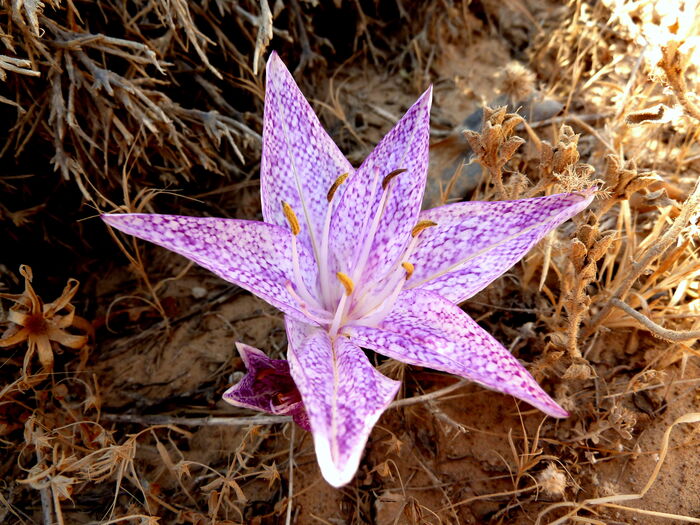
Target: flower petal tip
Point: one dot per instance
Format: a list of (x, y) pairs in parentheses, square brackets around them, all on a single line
[(116, 220), (335, 474), (275, 64), (245, 351), (426, 98), (554, 410), (229, 395)]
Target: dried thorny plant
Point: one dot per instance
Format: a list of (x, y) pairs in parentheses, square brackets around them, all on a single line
[(97, 110), (586, 250), (495, 145)]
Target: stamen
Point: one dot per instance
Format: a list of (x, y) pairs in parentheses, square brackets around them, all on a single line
[(422, 225), (391, 175), (394, 278), (336, 185), (393, 284), (291, 218), (346, 282)]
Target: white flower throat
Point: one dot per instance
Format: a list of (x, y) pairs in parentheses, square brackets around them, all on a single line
[(347, 297)]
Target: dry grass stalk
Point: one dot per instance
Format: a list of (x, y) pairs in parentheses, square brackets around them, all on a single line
[(627, 280), (659, 331)]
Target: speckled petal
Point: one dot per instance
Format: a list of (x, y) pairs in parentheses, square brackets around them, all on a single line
[(476, 242), (404, 147), (267, 386), (299, 161), (254, 255), (344, 396), (426, 330)]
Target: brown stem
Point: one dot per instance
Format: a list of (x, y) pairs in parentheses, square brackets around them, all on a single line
[(497, 178), (674, 336)]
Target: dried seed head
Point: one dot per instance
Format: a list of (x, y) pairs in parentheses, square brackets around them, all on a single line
[(517, 82), (587, 234), (474, 140), (509, 148), (578, 254), (566, 153), (579, 372), (546, 155), (510, 123), (552, 481), (600, 247)]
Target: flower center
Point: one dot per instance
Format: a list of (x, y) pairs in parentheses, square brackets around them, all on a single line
[(36, 324), (352, 297), (285, 392)]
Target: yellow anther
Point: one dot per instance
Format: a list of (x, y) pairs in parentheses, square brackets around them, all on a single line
[(409, 269), (291, 218), (336, 185), (346, 282), (391, 175), (422, 225)]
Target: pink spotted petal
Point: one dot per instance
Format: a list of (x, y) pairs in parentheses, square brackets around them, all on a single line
[(267, 386), (425, 329), (254, 255), (404, 147), (343, 393), (476, 242), (299, 161)]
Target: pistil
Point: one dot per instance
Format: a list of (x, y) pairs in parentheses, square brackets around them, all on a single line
[(340, 310), (393, 281), (325, 282), (376, 313), (304, 307), (369, 236)]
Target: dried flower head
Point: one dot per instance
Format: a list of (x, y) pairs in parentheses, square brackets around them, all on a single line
[(552, 481), (517, 81), (43, 326)]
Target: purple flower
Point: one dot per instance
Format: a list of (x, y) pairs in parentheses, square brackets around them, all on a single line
[(354, 263), (267, 386)]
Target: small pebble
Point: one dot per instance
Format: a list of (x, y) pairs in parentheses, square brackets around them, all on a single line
[(198, 292)]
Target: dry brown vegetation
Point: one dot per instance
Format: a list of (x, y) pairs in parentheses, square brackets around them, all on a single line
[(110, 396)]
